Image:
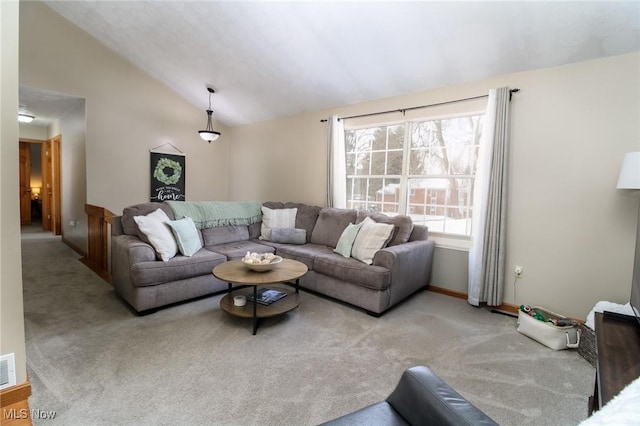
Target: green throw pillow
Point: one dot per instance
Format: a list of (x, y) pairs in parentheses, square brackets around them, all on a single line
[(347, 238), (186, 234)]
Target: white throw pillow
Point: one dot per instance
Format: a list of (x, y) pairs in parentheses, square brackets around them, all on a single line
[(154, 227), (276, 218), (372, 237)]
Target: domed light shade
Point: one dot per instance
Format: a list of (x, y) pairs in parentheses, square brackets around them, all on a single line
[(209, 134), (25, 118)]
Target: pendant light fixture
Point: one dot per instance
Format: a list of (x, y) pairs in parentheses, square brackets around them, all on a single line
[(209, 134)]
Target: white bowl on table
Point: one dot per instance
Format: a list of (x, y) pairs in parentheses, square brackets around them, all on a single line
[(263, 267)]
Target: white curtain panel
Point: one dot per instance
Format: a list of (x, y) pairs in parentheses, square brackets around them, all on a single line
[(336, 165), (488, 243)]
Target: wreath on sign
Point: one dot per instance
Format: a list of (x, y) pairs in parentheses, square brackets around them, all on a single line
[(165, 163)]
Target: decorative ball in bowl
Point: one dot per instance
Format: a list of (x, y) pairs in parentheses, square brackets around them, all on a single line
[(261, 262)]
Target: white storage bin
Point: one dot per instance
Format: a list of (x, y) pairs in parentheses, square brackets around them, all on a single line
[(553, 336)]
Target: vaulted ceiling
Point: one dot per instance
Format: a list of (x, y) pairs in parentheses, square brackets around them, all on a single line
[(270, 59)]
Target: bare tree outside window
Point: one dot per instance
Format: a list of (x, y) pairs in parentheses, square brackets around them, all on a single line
[(438, 177)]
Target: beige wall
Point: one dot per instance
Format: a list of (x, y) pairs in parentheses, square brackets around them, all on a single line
[(568, 225), (74, 182), (30, 131), (11, 308), (127, 113)]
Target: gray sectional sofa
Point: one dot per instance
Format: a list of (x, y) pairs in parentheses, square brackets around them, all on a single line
[(397, 271)]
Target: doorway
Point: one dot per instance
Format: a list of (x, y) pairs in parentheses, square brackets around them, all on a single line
[(40, 184)]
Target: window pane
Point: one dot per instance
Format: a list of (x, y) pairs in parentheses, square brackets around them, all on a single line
[(394, 163), (439, 180), (380, 139), (373, 194), (351, 163), (388, 197), (356, 193), (442, 204), (378, 163), (350, 140), (396, 137), (362, 163), (447, 146)]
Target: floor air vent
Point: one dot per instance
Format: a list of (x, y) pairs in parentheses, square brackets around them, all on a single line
[(7, 371)]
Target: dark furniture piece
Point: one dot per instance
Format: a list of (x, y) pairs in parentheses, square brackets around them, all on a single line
[(421, 398), (618, 364)]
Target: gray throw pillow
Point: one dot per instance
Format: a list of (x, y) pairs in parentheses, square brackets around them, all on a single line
[(288, 235)]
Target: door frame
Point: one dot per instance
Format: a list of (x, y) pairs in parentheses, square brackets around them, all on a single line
[(24, 193), (51, 185), (51, 190)]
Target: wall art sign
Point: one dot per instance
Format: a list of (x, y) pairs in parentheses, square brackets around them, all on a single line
[(167, 177)]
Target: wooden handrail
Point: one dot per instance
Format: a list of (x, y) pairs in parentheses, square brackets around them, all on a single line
[(98, 222)]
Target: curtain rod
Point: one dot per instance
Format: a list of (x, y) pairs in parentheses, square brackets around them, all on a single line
[(404, 110)]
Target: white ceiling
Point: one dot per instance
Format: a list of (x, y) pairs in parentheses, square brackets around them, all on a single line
[(45, 105), (270, 59)]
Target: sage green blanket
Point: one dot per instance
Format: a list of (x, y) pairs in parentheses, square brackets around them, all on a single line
[(209, 214)]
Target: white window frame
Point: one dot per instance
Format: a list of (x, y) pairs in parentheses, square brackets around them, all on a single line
[(442, 239)]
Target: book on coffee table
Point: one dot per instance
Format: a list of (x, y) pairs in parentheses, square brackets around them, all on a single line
[(267, 296)]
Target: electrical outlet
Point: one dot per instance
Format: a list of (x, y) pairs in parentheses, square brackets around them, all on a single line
[(517, 271)]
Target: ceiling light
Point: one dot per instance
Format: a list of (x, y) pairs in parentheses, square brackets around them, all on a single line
[(209, 134), (25, 118)]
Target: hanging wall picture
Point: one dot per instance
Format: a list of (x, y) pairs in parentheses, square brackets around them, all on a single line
[(167, 177)]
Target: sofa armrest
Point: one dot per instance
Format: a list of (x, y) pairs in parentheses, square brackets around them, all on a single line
[(133, 248), (127, 250), (422, 398), (410, 265)]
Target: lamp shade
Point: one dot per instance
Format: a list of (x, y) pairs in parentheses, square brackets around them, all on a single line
[(209, 135), (630, 172)]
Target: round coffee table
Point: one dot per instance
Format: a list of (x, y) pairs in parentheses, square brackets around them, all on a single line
[(236, 272)]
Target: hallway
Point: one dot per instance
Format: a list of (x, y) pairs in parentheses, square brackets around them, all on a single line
[(34, 232)]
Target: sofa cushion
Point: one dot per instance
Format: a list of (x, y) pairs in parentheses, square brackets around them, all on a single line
[(273, 204), (225, 234), (345, 243), (129, 225), (306, 217), (372, 237), (186, 235), (330, 225), (179, 268), (238, 249), (276, 218), (306, 253), (403, 225), (352, 270), (154, 227), (254, 230), (289, 235)]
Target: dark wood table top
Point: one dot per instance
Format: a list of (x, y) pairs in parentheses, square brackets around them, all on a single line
[(618, 343)]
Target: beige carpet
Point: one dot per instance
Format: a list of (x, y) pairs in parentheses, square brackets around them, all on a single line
[(95, 363)]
